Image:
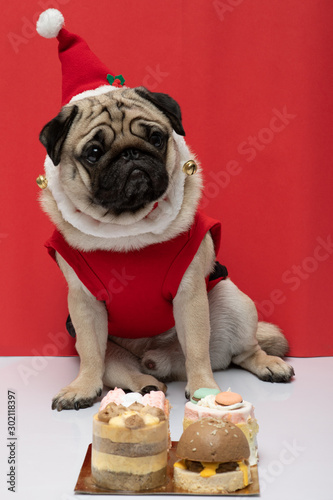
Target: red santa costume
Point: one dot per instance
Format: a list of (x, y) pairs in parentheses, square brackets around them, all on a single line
[(138, 287)]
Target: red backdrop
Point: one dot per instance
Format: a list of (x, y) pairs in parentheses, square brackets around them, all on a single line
[(254, 80)]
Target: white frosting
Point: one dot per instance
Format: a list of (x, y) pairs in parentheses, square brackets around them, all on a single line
[(209, 402), (119, 397), (130, 398), (218, 411)]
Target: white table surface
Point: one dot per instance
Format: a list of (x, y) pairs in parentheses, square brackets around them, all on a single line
[(295, 437)]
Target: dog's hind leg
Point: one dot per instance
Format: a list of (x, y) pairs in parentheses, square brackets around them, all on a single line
[(122, 369), (271, 339), (266, 367), (165, 358), (238, 337), (264, 359)]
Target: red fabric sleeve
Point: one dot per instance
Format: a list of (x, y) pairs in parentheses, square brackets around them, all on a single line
[(77, 262)]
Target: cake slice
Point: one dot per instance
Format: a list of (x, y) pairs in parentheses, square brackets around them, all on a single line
[(131, 441)]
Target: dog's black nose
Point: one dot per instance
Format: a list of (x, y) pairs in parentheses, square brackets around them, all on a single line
[(130, 154), (138, 183)]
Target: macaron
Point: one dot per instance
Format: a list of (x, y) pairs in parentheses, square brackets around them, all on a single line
[(202, 393), (228, 398)]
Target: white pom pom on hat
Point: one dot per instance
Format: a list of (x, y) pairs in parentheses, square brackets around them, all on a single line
[(49, 23)]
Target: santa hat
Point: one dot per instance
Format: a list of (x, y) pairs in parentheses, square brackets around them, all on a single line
[(81, 69)]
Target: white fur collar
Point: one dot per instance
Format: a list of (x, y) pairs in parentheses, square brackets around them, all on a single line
[(154, 221)]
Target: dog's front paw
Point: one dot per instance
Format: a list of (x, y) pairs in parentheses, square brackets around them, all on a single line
[(76, 397), (158, 387)]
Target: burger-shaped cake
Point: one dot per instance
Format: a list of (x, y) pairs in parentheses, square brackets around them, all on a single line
[(213, 458)]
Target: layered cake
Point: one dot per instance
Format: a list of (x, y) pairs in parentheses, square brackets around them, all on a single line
[(213, 458), (226, 407), (130, 441)]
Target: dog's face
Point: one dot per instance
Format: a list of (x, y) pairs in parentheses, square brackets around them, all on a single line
[(115, 151)]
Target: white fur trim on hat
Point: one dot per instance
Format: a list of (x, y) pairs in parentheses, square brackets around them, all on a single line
[(103, 89), (50, 23)]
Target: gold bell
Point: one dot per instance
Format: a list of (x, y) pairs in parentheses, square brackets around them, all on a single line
[(42, 181), (190, 167)]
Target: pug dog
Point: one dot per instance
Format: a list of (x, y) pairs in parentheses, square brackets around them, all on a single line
[(117, 190)]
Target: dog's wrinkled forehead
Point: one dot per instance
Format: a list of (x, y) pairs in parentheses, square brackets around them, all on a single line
[(120, 110), (127, 102)]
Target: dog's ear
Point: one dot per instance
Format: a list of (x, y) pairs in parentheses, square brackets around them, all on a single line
[(167, 105), (55, 132)]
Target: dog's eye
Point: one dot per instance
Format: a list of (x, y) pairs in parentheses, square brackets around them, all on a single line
[(93, 154), (156, 139)]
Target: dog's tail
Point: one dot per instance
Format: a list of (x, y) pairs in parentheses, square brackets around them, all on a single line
[(271, 339)]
